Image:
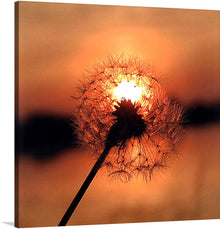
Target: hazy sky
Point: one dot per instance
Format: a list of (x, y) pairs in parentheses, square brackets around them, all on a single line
[(57, 42)]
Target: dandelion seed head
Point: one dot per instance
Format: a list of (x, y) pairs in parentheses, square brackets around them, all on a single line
[(121, 103)]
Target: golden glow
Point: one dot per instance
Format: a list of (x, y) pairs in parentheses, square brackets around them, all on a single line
[(128, 90)]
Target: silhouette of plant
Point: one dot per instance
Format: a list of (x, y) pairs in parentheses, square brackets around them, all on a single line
[(153, 116), (124, 116)]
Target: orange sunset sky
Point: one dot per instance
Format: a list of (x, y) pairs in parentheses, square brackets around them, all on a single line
[(57, 42)]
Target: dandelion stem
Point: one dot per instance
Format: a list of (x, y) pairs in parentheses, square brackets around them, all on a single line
[(84, 186)]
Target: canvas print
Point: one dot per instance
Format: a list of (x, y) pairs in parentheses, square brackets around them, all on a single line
[(117, 114)]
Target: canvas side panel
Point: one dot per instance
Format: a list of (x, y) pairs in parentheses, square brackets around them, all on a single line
[(16, 213)]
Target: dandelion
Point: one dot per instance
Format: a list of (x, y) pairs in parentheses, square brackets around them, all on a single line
[(124, 116)]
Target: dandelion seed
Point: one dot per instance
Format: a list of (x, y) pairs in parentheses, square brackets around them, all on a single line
[(124, 116)]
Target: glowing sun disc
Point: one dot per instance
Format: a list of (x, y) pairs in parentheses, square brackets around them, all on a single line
[(128, 90)]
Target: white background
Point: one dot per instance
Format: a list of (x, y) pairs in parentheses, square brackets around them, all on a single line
[(7, 108)]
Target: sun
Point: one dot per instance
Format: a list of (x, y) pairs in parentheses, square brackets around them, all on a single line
[(129, 91)]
